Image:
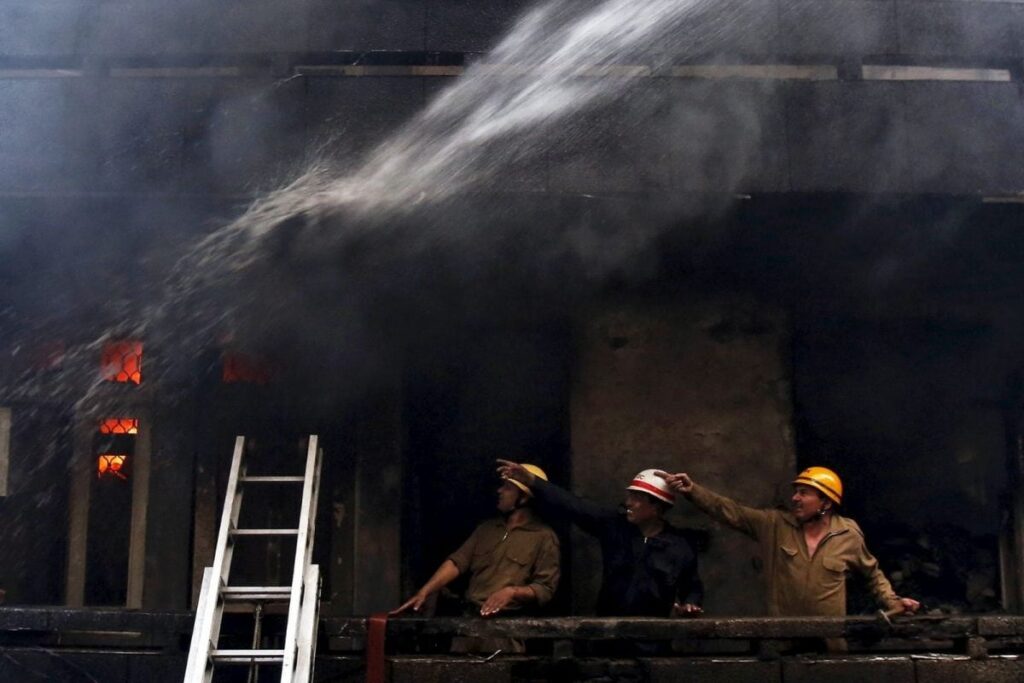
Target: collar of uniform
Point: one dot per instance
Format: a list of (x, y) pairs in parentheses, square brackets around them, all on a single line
[(836, 524), (532, 525), (665, 536)]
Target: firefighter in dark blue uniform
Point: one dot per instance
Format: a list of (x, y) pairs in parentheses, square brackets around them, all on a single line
[(649, 567)]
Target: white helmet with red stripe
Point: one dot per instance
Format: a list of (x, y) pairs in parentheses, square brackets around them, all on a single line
[(650, 483)]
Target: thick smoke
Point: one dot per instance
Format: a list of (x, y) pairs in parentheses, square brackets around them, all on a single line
[(427, 218), (543, 173)]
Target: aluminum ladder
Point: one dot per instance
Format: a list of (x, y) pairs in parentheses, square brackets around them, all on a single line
[(302, 596)]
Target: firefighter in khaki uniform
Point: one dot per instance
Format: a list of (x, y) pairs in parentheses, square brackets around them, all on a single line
[(808, 551), (513, 560)]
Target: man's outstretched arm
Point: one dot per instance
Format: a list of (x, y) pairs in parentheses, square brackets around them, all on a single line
[(877, 582), (588, 515), (750, 521)]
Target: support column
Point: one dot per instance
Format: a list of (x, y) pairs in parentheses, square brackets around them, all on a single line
[(1011, 538), (377, 443)]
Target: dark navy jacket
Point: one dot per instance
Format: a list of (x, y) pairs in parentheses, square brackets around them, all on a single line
[(640, 578)]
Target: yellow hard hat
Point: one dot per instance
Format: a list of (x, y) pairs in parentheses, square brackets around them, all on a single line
[(532, 469), (824, 480)]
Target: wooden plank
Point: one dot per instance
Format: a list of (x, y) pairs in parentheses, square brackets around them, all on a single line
[(140, 510), (204, 538), (885, 72), (5, 451), (771, 72), (78, 511)]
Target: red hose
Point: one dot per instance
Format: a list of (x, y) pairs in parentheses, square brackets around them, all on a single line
[(376, 666)]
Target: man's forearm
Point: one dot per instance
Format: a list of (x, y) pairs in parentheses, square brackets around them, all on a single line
[(523, 594), (587, 514), (445, 574), (882, 589)]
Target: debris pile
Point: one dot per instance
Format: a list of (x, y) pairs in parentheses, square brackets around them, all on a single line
[(948, 569)]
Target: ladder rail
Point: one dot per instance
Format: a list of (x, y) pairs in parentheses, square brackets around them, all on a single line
[(308, 624), (303, 595), (229, 516), (303, 553), (196, 663), (207, 626), (318, 465)]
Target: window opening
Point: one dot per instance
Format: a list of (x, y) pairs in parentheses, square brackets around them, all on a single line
[(112, 464), (238, 367), (110, 512), (121, 361), (119, 425)]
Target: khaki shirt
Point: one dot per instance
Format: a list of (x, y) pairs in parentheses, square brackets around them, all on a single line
[(799, 584), (497, 557)]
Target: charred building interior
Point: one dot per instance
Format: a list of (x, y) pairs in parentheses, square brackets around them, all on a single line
[(734, 238)]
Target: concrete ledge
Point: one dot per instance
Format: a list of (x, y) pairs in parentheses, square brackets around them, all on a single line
[(452, 670), (592, 628), (164, 629), (731, 670), (851, 670), (119, 646), (959, 670)]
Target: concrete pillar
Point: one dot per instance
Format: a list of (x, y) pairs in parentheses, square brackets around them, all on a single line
[(377, 443), (696, 385)]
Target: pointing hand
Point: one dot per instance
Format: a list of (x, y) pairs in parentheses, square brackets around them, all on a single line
[(680, 483), (415, 603), (513, 470)]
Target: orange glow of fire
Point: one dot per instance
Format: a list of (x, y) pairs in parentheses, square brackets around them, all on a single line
[(48, 355), (242, 367), (121, 361), (111, 463), (119, 425)]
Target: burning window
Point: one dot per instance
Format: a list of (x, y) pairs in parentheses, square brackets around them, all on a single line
[(119, 425), (111, 464), (109, 514), (122, 361), (239, 367), (115, 445)]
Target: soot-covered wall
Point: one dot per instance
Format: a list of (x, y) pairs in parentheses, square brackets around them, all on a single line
[(684, 384)]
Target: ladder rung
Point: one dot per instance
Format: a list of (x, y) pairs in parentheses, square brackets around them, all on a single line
[(264, 532), (247, 656), (256, 593), (272, 480)]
